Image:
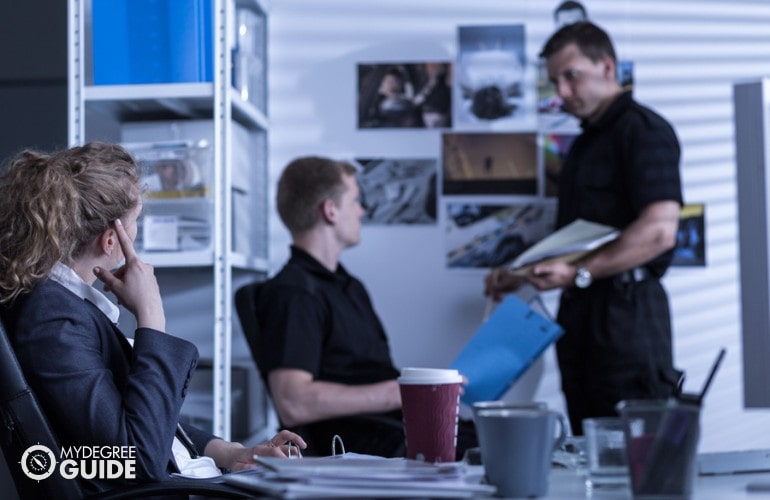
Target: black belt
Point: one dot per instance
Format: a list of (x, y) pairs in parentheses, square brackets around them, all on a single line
[(633, 275)]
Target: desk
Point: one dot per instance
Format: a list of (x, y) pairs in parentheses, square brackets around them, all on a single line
[(569, 484)]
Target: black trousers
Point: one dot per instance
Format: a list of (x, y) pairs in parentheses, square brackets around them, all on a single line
[(616, 345)]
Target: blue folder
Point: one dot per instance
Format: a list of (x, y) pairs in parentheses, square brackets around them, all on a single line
[(502, 349)]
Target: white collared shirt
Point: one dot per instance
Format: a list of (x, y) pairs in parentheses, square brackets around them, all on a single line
[(69, 279), (201, 467)]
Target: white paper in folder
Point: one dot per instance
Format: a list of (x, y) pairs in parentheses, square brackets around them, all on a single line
[(572, 241)]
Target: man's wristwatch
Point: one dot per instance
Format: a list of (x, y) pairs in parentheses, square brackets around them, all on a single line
[(583, 278)]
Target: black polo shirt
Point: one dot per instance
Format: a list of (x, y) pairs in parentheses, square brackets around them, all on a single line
[(626, 160), (322, 322)]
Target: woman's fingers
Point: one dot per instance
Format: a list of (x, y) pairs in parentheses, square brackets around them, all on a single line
[(283, 444), (126, 245), (285, 436), (110, 280)]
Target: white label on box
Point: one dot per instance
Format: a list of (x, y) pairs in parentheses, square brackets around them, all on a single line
[(161, 232)]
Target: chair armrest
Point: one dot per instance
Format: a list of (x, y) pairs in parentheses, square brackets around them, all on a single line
[(202, 487)]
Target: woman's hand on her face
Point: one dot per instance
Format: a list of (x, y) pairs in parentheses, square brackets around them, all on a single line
[(135, 285)]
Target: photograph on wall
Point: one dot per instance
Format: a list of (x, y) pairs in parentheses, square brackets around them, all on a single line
[(398, 191), (491, 86), (405, 95), (690, 249), (486, 235), (555, 147), (625, 74), (487, 163), (569, 12)]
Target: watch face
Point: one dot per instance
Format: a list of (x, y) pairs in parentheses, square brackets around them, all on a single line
[(583, 278)]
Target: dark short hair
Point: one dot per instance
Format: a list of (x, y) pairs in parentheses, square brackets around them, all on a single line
[(592, 41), (304, 184)]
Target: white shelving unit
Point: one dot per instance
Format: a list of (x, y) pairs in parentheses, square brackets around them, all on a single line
[(237, 193)]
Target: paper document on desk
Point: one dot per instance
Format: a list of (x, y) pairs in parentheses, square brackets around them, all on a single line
[(339, 477), (571, 242)]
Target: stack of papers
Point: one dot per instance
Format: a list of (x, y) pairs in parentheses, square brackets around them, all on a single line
[(571, 242), (352, 476)]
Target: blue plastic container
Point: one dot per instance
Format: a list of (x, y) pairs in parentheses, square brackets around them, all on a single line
[(152, 41)]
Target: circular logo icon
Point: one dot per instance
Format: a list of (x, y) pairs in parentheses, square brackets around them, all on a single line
[(38, 462)]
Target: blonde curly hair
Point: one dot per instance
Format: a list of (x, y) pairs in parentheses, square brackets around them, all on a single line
[(53, 205)]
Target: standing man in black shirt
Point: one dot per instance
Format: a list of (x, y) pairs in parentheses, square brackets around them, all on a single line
[(623, 171)]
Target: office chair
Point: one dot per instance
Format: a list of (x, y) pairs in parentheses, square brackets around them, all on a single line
[(23, 424), (246, 300), (246, 309)]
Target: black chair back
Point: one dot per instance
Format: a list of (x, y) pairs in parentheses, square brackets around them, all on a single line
[(245, 299), (24, 425)]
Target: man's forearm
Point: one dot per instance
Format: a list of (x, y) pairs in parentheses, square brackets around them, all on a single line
[(650, 235), (311, 401)]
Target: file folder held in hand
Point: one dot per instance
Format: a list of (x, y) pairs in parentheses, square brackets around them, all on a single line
[(502, 349), (569, 243)]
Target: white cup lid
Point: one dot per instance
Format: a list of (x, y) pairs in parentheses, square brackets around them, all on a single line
[(429, 376)]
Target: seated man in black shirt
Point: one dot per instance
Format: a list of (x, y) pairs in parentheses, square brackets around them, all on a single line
[(324, 352)]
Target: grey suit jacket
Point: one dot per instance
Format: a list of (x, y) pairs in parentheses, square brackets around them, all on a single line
[(95, 389)]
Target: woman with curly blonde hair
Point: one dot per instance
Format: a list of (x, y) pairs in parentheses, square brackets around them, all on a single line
[(67, 219), (52, 206)]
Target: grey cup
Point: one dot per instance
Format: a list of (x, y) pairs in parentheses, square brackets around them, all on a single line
[(516, 447), (502, 404)]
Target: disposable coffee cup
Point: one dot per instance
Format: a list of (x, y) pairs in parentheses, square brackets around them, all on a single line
[(430, 398)]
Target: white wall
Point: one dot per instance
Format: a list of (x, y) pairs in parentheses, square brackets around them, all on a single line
[(687, 54)]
